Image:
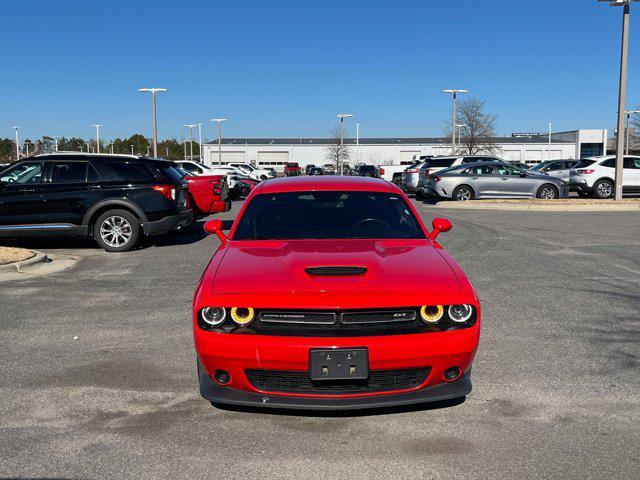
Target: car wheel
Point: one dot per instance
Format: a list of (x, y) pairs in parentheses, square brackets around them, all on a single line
[(583, 194), (547, 192), (462, 193), (116, 231), (603, 189)]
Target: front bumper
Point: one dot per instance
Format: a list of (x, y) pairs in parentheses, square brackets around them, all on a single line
[(167, 224), (218, 394), (236, 353)]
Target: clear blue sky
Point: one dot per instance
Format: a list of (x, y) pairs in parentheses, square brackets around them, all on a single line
[(285, 68)]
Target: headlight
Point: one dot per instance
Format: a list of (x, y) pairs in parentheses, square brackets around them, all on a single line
[(431, 313), (213, 315), (460, 313), (242, 316)]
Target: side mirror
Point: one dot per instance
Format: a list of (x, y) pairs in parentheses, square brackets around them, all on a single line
[(439, 225), (214, 227)]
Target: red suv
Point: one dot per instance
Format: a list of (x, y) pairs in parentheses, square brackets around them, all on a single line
[(292, 169), (330, 293)]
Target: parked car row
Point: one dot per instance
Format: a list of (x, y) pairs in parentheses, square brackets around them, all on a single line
[(114, 199)]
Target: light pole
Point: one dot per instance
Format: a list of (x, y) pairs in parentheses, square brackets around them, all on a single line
[(153, 92), (622, 91), (200, 139), (219, 122), (131, 149), (342, 116), (56, 139), (460, 126), (454, 92), (97, 137), (17, 144), (549, 125), (190, 127), (26, 144), (628, 113), (357, 142)]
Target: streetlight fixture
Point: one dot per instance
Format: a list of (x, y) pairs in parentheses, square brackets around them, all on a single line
[(454, 93), (628, 113), (342, 116), (190, 127), (622, 91), (219, 122), (97, 137), (17, 144), (153, 92)]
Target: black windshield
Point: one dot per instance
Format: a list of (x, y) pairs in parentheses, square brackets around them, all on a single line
[(325, 215)]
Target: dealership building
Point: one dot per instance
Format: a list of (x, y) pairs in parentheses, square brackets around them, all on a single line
[(276, 152)]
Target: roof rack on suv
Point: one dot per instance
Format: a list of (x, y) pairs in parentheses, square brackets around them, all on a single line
[(85, 154)]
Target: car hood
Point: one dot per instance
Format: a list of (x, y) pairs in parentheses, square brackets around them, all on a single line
[(278, 267)]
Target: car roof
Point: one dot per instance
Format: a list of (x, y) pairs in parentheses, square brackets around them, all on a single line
[(328, 183)]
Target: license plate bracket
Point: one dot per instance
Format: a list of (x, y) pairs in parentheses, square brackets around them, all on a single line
[(339, 364)]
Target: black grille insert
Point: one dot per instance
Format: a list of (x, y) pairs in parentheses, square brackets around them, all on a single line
[(389, 316), (336, 271), (310, 318), (300, 382)]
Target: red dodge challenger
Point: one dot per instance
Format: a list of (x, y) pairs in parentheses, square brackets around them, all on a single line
[(330, 293)]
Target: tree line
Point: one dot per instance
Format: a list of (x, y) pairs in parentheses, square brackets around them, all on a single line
[(137, 144)]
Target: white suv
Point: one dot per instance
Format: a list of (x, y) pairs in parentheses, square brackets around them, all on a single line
[(595, 176), (253, 172)]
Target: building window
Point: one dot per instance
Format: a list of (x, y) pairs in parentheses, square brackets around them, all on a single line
[(590, 150)]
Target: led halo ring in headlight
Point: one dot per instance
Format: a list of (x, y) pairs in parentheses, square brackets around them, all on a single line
[(242, 315), (213, 316), (431, 313), (460, 313)]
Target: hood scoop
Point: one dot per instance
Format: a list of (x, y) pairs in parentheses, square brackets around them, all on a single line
[(336, 271)]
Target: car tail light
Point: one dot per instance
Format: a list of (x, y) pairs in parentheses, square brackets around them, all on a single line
[(437, 179), (586, 172), (167, 191), (382, 171), (413, 170), (217, 187), (426, 173)]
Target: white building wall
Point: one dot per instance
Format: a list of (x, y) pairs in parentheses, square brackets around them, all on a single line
[(390, 154)]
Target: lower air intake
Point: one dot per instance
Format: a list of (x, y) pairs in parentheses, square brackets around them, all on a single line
[(300, 382)]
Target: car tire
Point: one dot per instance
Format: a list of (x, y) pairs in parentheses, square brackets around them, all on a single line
[(462, 193), (603, 189), (116, 230), (547, 192)]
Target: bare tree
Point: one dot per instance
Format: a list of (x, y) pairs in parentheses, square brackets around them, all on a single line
[(634, 132), (479, 131), (336, 152)]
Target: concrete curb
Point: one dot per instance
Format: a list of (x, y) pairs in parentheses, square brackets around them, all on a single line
[(17, 266), (534, 207)]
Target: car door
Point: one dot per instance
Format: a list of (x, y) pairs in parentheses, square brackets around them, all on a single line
[(485, 180), (631, 174), (21, 197), (70, 189), (554, 169), (514, 182)]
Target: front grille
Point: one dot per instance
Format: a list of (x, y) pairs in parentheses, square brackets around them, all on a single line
[(300, 382), (335, 271), (385, 316), (315, 318), (338, 323)]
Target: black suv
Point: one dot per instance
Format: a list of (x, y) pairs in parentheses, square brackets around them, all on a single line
[(111, 198), (367, 171)]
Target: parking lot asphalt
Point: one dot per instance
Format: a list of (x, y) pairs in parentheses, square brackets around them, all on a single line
[(99, 377)]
